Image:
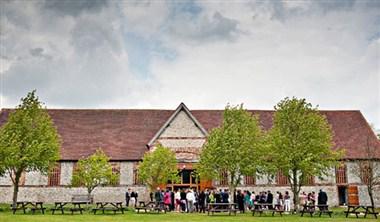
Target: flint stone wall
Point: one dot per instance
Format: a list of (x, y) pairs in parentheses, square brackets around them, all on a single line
[(53, 194)]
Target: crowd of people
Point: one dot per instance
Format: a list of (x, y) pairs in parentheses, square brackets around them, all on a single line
[(189, 200)]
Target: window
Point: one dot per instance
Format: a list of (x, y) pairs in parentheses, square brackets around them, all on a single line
[(249, 180), (366, 173), (116, 171), (310, 180), (186, 176), (54, 175), (340, 174), (281, 179), (136, 179), (223, 178)]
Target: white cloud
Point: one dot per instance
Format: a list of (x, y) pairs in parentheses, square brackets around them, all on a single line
[(251, 52)]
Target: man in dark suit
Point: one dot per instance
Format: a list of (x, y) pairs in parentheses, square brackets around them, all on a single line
[(322, 199), (224, 195), (270, 199), (127, 197)]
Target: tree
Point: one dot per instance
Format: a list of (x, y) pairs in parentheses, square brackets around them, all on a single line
[(93, 171), (157, 167), (28, 141), (368, 170), (300, 143), (233, 148)]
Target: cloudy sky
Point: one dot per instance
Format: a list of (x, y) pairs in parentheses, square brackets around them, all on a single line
[(156, 54)]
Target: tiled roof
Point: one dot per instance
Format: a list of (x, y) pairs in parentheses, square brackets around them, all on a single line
[(124, 134), (350, 129)]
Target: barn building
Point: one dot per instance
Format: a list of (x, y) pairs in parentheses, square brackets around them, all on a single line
[(126, 134)]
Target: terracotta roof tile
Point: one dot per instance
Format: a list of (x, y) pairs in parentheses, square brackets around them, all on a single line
[(123, 134)]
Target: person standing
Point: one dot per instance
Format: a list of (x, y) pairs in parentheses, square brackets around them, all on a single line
[(202, 202), (167, 200), (158, 196), (303, 199), (270, 200), (287, 201), (183, 200), (177, 197), (172, 205), (134, 196), (322, 199), (190, 200), (127, 197), (240, 201)]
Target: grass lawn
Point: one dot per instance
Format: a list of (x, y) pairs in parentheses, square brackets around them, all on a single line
[(7, 216)]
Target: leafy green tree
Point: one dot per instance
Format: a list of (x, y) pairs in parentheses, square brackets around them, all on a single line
[(234, 148), (28, 141), (158, 167), (93, 171), (300, 143)]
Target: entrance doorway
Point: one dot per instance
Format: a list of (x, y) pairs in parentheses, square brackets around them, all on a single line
[(187, 180), (342, 195)]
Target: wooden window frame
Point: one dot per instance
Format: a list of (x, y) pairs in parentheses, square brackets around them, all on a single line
[(365, 174), (223, 178), (250, 180), (281, 179), (115, 170), (341, 174), (136, 179), (310, 181), (54, 176)]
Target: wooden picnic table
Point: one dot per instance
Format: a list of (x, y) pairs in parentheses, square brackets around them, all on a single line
[(74, 206), (262, 207), (24, 205), (113, 206), (319, 208), (221, 207), (358, 209), (151, 206)]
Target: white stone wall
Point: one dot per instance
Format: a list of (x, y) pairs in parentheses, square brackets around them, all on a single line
[(351, 173), (182, 126), (364, 197), (126, 173), (66, 173), (35, 178), (327, 179), (52, 194), (5, 180), (174, 143), (264, 180)]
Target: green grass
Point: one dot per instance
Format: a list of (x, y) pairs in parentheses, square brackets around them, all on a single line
[(7, 216)]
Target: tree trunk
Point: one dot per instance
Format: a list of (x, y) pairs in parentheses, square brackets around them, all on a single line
[(89, 195), (295, 191), (15, 188), (370, 194)]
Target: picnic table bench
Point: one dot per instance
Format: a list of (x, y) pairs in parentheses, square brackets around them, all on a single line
[(312, 209), (360, 209), (151, 207), (221, 207), (109, 206), (75, 205), (266, 207), (33, 206)]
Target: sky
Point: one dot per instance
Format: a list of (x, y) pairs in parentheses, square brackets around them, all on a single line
[(157, 54)]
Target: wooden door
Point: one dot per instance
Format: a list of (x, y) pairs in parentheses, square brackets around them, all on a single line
[(353, 195), (205, 184)]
